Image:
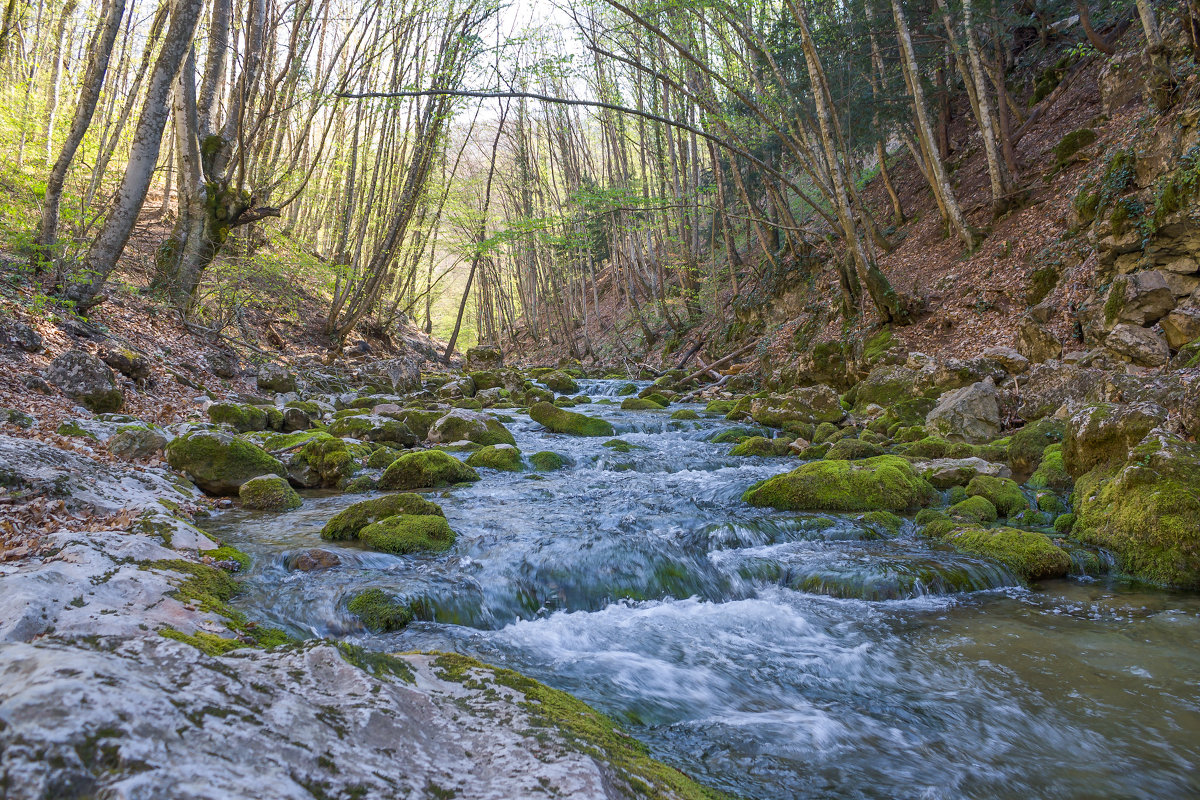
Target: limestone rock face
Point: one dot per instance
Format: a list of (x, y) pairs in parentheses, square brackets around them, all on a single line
[(1181, 326), (1013, 362), (1139, 299), (1140, 345), (1050, 385), (85, 378), (1035, 342), (276, 378), (970, 414)]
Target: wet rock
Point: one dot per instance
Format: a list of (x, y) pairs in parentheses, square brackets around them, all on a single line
[(409, 533), (132, 365), (83, 377), (312, 560), (322, 461), (559, 382), (946, 472), (219, 462), (1029, 554), (970, 414), (268, 493), (347, 523), (883, 483), (461, 425), (1139, 345), (276, 378), (503, 457), (1104, 433), (1035, 342), (806, 406), (560, 420), (22, 337), (427, 469)]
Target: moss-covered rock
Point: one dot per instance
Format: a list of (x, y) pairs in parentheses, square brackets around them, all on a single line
[(547, 461), (1146, 511), (659, 398), (323, 461), (883, 483), (561, 421), (761, 446), (408, 533), (497, 456), (852, 450), (426, 469), (974, 509), (461, 425), (1051, 474), (1003, 493), (719, 406), (1103, 434), (269, 493), (685, 414), (639, 404), (379, 611), (349, 521), (560, 382), (883, 521), (218, 462), (1028, 554), (382, 458), (242, 418), (735, 435), (1026, 446), (809, 406)]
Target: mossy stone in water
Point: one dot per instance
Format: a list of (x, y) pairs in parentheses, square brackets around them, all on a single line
[(1051, 473), (685, 413), (324, 460), (498, 456), (349, 521), (734, 435), (622, 446), (659, 399), (761, 446), (269, 493), (719, 406), (1003, 493), (547, 461), (1029, 554), (379, 611), (560, 382), (884, 520), (426, 469), (1026, 446), (852, 449), (882, 483), (408, 533), (974, 509), (243, 418), (560, 420), (383, 458), (639, 404), (627, 390), (218, 462)]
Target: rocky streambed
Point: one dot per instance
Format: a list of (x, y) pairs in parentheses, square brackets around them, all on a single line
[(790, 595)]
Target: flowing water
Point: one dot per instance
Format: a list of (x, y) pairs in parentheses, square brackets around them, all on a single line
[(771, 654)]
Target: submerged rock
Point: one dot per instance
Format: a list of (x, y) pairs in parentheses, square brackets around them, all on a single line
[(1029, 554)]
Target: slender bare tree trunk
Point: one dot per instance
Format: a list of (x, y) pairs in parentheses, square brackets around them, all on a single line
[(60, 33)]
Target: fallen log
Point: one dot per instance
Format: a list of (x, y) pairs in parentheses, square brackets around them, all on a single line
[(720, 362)]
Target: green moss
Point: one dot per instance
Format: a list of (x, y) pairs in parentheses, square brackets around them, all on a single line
[(761, 446), (1072, 143), (622, 446), (331, 458), (1027, 445), (719, 406), (426, 469), (70, 428), (227, 553), (360, 485), (408, 533), (208, 643), (1028, 554), (1003, 493), (1087, 204), (375, 663), (584, 729), (886, 483), (547, 461), (885, 520), (347, 523), (639, 404), (734, 435), (501, 457), (659, 399), (311, 410), (685, 413), (485, 431), (560, 382), (1050, 502), (382, 458), (220, 463), (1064, 524), (974, 509), (379, 611), (269, 493), (1051, 473), (823, 432), (1146, 512), (1040, 284), (561, 421), (877, 346), (851, 449), (928, 515), (354, 427)]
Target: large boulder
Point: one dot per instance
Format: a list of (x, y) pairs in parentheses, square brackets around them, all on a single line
[(461, 425), (1142, 298), (131, 364), (132, 442), (483, 358), (1049, 386), (970, 414), (276, 378), (883, 483), (1146, 511), (1181, 327), (347, 523), (1104, 433), (1032, 556), (321, 460), (559, 420), (85, 378), (559, 382), (409, 533), (374, 428), (268, 493), (219, 462), (807, 406), (1139, 345), (399, 375), (885, 386)]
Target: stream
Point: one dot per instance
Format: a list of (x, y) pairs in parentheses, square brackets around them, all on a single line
[(771, 654)]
